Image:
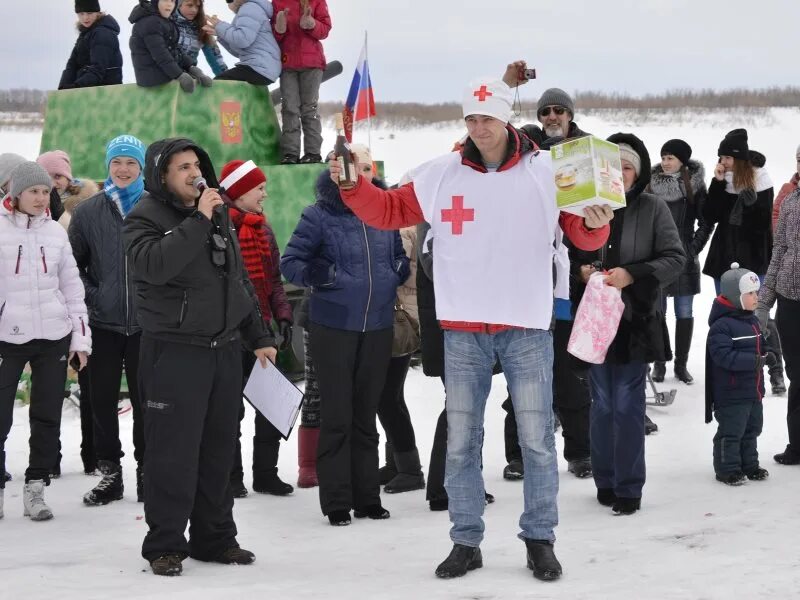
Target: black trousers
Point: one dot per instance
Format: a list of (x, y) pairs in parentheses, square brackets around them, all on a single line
[(571, 400), (190, 420), (88, 455), (48, 360), (435, 487), (351, 370), (111, 352), (266, 441), (788, 320), (244, 73), (392, 410)]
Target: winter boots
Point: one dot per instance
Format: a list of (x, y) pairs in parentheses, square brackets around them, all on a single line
[(732, 479), (649, 426), (307, 442), (683, 342), (542, 560), (460, 560), (787, 457), (776, 382), (389, 470), (514, 470), (626, 506), (659, 371), (409, 473), (33, 501), (110, 487), (272, 484), (375, 512), (168, 565), (581, 468)]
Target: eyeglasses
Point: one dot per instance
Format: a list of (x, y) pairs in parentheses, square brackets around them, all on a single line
[(559, 110)]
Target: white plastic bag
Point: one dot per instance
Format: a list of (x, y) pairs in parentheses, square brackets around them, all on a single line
[(596, 321)]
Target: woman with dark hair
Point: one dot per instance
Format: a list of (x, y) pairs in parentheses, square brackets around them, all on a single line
[(643, 254), (190, 19), (680, 182), (354, 271)]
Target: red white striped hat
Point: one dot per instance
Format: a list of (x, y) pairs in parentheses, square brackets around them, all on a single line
[(239, 177)]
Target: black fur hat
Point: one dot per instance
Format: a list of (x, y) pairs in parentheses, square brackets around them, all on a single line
[(735, 145), (88, 6), (679, 149)]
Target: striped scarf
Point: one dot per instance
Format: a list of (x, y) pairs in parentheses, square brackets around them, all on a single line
[(124, 198), (256, 253)]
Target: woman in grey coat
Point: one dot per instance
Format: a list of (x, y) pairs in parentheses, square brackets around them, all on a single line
[(643, 254)]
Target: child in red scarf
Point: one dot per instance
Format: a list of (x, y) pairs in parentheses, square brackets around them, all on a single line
[(245, 184)]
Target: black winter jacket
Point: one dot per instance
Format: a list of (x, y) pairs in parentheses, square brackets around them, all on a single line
[(181, 295), (155, 51), (686, 213), (649, 248), (95, 59), (746, 239), (734, 373), (95, 233)]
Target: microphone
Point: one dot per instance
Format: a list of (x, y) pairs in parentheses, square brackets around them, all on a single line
[(201, 185)]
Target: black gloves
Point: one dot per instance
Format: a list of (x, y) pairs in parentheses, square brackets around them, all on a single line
[(285, 331)]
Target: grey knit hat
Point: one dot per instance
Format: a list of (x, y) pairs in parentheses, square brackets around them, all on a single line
[(556, 97), (737, 282), (626, 152), (27, 175), (8, 162)]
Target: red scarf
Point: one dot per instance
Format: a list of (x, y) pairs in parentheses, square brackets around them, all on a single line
[(251, 230)]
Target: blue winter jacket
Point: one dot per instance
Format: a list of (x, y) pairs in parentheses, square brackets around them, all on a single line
[(733, 351), (353, 269), (249, 38)]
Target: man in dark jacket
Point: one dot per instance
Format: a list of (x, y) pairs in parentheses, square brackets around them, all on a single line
[(95, 59), (194, 304), (95, 233)]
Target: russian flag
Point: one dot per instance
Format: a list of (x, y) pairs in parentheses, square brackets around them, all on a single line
[(360, 102)]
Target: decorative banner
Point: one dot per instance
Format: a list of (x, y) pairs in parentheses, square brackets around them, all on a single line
[(231, 122)]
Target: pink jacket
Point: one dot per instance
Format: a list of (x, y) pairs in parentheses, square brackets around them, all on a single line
[(41, 293), (786, 189), (302, 48)]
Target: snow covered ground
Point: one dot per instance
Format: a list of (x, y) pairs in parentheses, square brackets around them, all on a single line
[(693, 539)]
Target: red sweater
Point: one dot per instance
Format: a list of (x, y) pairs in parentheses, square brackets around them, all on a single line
[(398, 208), (302, 48)]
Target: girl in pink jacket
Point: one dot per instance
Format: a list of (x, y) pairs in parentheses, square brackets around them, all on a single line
[(299, 27), (43, 322)]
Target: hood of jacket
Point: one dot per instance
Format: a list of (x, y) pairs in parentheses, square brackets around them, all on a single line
[(646, 171), (22, 220), (146, 9), (723, 308), (327, 193), (155, 165), (104, 22), (263, 4), (668, 186)]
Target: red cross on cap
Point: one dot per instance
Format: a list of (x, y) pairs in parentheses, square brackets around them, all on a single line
[(481, 93)]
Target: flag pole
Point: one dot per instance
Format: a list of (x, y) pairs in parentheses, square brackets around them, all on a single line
[(369, 83)]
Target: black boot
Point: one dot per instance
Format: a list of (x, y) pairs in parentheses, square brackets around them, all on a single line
[(409, 473), (649, 426), (606, 496), (7, 476), (168, 565), (460, 560), (776, 382), (514, 470), (626, 506), (236, 556), (375, 512), (388, 471), (272, 485), (787, 457), (581, 468), (139, 483), (659, 371), (683, 342), (110, 487), (238, 489), (542, 560)]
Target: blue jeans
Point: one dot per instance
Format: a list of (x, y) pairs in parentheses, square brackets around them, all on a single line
[(681, 304), (527, 359), (616, 430)]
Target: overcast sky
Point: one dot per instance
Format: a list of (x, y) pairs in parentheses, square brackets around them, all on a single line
[(426, 51)]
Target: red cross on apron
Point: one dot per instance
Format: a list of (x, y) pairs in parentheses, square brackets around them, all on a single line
[(457, 215), (482, 93)]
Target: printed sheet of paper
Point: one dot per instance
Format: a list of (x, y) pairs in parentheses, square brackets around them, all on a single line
[(274, 396)]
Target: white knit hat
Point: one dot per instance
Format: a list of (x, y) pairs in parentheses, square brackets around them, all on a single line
[(489, 97), (626, 152)]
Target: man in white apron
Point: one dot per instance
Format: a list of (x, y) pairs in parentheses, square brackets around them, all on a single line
[(493, 216)]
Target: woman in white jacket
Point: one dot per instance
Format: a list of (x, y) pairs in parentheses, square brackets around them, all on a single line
[(43, 322)]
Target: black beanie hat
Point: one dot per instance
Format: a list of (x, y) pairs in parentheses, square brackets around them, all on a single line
[(87, 6), (735, 145), (679, 149)]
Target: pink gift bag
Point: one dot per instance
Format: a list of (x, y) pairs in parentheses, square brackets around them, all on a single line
[(596, 321)]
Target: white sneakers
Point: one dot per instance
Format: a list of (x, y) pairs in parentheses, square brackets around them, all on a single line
[(33, 501)]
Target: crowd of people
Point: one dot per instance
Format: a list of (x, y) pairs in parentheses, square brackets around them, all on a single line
[(274, 41), (172, 274)]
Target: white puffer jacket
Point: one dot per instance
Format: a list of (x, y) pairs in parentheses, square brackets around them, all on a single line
[(41, 293)]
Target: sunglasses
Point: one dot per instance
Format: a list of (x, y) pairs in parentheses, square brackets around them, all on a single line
[(559, 110)]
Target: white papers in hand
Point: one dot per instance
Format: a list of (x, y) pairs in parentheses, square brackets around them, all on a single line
[(274, 396)]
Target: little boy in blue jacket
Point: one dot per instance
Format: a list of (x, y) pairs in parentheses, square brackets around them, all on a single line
[(735, 360)]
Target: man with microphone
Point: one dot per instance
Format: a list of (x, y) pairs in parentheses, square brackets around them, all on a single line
[(196, 308)]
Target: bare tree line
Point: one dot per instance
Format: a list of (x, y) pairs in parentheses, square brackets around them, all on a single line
[(409, 114)]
